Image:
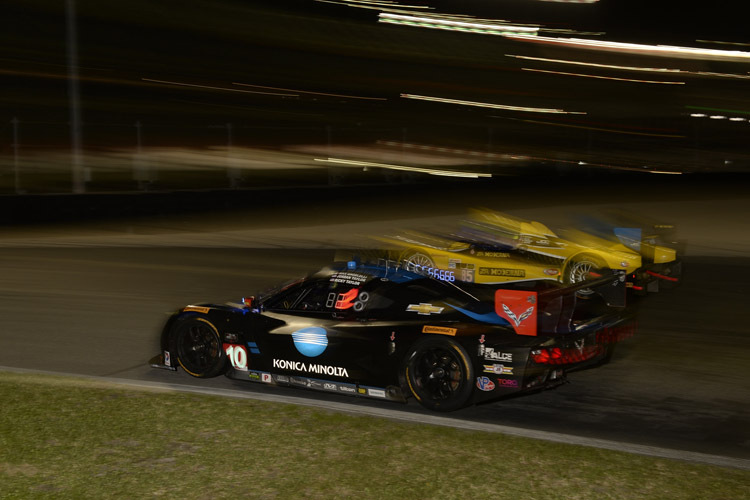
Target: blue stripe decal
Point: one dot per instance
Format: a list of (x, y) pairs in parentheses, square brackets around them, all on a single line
[(490, 317)]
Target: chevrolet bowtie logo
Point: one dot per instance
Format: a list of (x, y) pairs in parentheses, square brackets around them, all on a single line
[(425, 309)]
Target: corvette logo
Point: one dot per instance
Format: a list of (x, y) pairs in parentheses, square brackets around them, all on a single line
[(424, 309), (518, 319), (524, 319)]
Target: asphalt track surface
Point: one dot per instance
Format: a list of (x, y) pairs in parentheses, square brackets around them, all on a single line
[(90, 298)]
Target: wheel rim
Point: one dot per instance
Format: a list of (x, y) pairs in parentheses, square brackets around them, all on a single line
[(420, 259), (579, 271), (198, 348), (438, 373)]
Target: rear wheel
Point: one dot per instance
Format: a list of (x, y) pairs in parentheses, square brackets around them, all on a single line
[(417, 260), (579, 270), (197, 344), (439, 375)]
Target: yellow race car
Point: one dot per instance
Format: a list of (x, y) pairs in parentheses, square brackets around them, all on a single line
[(492, 247)]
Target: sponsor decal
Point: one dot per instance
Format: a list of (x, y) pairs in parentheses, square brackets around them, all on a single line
[(498, 369), (298, 381), (200, 309), (300, 366), (281, 378), (498, 271), (254, 375), (519, 308), (329, 386), (493, 254), (310, 342), (424, 309), (485, 384), (266, 377), (350, 299), (452, 263), (253, 347), (376, 393), (345, 301), (440, 330), (579, 345), (361, 390), (491, 355), (507, 382), (314, 384), (517, 320), (167, 359), (350, 389)]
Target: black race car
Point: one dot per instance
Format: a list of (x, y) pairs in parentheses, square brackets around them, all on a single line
[(381, 331)]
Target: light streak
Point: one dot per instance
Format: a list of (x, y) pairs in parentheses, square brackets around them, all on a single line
[(595, 65), (462, 152), (430, 171), (451, 25), (600, 129), (720, 110), (181, 84), (656, 50), (602, 77), (491, 106), (310, 92), (382, 3), (631, 68)]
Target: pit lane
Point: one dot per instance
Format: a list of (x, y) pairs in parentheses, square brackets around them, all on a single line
[(90, 300)]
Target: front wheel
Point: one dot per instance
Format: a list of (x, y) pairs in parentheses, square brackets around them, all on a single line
[(197, 344), (439, 375)]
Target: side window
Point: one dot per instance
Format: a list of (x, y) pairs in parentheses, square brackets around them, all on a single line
[(322, 296), (304, 295)]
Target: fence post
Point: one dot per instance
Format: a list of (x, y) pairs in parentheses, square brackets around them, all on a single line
[(78, 177), (141, 173), (16, 167), (233, 173)]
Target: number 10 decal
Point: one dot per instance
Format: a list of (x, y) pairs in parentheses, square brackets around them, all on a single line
[(237, 356)]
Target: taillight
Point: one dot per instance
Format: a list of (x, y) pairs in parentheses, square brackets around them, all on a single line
[(540, 356), (558, 356)]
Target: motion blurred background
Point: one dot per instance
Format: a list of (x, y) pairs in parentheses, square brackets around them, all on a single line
[(104, 97)]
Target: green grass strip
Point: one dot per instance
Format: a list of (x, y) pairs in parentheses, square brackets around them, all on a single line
[(70, 438)]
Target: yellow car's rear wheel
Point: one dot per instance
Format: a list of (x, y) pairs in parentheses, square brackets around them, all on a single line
[(579, 269), (416, 259)]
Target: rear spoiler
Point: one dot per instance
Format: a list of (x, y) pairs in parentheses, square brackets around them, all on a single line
[(551, 311)]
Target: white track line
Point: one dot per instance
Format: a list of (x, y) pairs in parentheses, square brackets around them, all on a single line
[(637, 449)]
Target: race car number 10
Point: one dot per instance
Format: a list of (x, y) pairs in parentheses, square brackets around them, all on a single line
[(237, 356)]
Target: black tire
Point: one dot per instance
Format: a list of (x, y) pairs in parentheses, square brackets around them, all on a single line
[(438, 373), (197, 344)]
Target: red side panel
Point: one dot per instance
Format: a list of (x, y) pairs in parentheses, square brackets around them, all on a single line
[(519, 307)]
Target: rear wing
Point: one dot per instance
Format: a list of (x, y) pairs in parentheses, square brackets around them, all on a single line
[(562, 310)]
